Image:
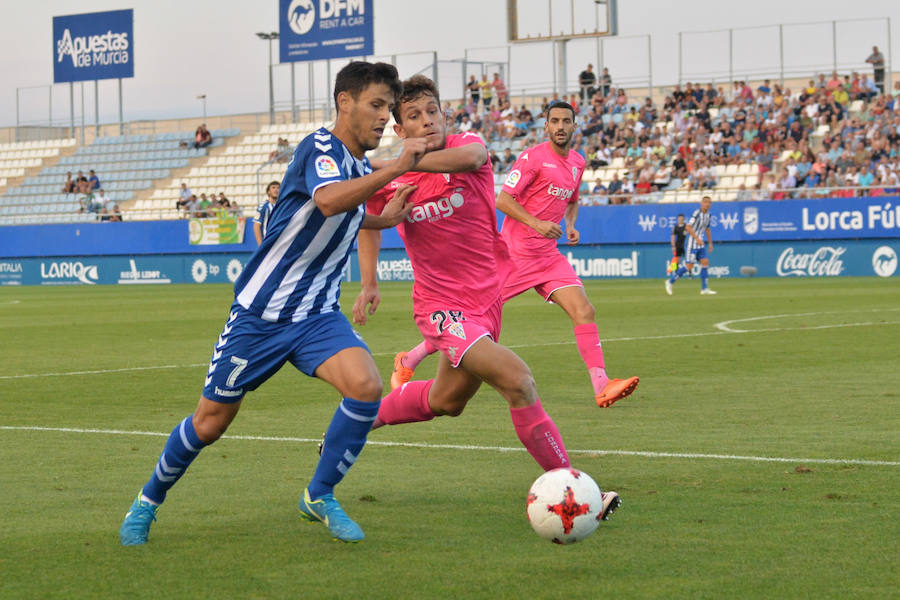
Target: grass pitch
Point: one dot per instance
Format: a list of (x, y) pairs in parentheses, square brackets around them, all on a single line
[(760, 456)]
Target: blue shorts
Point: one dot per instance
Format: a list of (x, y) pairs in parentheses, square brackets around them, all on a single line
[(250, 350), (698, 254)]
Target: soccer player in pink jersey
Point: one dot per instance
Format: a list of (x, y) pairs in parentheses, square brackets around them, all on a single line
[(460, 263), (540, 191)]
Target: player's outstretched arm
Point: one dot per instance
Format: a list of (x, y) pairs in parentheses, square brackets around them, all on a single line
[(368, 245), (459, 159), (572, 234), (508, 205), (346, 195), (396, 209)]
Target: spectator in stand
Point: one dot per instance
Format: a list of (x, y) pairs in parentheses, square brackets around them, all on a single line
[(84, 197), (202, 137), (615, 187), (587, 81), (764, 89), (876, 59), (605, 82), (93, 181), (200, 211), (508, 160), (500, 89), (185, 196), (190, 207), (867, 89), (487, 91), (474, 91), (79, 180), (281, 151), (70, 185)]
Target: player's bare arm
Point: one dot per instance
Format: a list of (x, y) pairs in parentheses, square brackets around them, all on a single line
[(709, 240), (366, 303), (571, 216), (257, 233), (346, 195), (461, 159), (511, 208), (396, 209)]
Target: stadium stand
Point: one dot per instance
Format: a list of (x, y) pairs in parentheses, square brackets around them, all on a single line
[(834, 138), (124, 164), (241, 172)]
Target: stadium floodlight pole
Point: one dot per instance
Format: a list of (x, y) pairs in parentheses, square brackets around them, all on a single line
[(202, 97), (271, 36)]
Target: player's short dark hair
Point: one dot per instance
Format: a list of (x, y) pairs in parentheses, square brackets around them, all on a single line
[(271, 183), (680, 215), (413, 88), (560, 104), (358, 75)]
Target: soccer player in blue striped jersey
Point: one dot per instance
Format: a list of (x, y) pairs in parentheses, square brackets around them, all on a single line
[(695, 250), (264, 211), (286, 301)]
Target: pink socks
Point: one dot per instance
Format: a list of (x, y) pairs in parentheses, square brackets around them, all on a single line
[(407, 404), (588, 341), (539, 435), (417, 355)]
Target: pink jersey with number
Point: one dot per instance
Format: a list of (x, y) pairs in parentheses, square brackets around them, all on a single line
[(459, 260), (544, 183)]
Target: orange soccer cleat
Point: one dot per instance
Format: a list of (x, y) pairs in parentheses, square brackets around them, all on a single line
[(401, 373), (614, 391)]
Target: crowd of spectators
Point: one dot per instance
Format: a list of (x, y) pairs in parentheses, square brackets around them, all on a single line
[(90, 196), (212, 205), (837, 136)]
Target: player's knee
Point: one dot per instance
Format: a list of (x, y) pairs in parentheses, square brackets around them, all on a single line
[(366, 387), (584, 313), (210, 428), (450, 408)]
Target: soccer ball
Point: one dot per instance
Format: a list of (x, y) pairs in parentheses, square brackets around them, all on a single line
[(564, 505)]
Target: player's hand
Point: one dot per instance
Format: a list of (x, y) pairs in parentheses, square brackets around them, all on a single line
[(398, 207), (710, 247), (573, 236), (368, 297), (413, 151), (549, 229)]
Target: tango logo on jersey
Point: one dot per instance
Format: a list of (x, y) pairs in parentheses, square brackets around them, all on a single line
[(728, 220), (513, 178), (646, 222), (436, 209), (560, 192), (326, 167), (751, 220)]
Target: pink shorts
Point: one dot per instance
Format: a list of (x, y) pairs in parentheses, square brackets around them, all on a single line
[(454, 331), (544, 274)]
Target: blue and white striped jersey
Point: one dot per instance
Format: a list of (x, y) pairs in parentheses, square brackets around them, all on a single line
[(699, 221), (296, 271), (263, 212)]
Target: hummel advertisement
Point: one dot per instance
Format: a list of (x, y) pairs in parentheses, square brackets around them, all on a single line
[(831, 218), (93, 46), (321, 29), (771, 259)]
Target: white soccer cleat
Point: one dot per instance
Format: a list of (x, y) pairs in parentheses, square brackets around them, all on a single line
[(668, 287), (707, 292)]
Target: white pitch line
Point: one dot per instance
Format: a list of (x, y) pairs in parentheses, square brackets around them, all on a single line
[(427, 446), (722, 330)]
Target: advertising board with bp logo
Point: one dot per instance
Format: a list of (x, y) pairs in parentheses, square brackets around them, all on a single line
[(320, 29), (93, 46)]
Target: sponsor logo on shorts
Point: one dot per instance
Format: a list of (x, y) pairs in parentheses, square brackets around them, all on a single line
[(457, 330), (228, 393)]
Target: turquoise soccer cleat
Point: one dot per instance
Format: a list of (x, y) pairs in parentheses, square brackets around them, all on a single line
[(327, 510), (137, 522)]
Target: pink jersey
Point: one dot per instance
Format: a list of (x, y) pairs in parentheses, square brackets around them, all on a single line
[(459, 260), (544, 183)]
